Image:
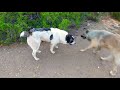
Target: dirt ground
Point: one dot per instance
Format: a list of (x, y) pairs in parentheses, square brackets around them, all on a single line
[(16, 60)]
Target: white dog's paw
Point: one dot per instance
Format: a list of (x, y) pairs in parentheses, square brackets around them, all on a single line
[(39, 51), (113, 73), (53, 52), (82, 50), (56, 46), (36, 59)]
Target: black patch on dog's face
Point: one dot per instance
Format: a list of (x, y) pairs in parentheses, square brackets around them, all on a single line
[(70, 39), (51, 37)]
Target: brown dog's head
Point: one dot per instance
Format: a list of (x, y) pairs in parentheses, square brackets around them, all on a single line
[(84, 35)]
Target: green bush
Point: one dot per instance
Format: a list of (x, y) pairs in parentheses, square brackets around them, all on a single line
[(13, 23), (94, 16), (115, 15), (64, 24)]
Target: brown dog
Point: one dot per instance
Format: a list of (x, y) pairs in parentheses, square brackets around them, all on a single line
[(104, 39)]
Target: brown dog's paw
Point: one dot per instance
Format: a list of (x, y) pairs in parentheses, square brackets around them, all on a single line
[(82, 50), (113, 73), (101, 58)]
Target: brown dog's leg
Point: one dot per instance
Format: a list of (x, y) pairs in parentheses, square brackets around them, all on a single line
[(114, 70), (97, 49), (110, 57), (93, 44), (116, 63)]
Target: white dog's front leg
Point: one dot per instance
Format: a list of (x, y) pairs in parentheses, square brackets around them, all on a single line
[(34, 55), (51, 48)]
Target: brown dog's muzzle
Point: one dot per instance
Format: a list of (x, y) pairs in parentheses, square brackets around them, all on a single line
[(83, 36)]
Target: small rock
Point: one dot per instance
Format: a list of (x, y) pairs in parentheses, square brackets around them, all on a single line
[(37, 66), (16, 75), (34, 75)]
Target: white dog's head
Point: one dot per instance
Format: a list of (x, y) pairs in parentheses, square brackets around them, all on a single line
[(70, 39)]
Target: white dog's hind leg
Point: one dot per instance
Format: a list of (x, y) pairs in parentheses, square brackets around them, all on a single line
[(34, 44)]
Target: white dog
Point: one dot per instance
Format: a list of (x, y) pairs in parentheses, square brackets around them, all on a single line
[(52, 35)]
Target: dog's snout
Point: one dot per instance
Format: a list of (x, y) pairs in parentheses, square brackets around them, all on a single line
[(83, 36)]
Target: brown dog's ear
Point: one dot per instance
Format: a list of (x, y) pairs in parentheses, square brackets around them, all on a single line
[(87, 31)]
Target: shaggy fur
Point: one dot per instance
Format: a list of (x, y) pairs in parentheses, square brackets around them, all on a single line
[(104, 39)]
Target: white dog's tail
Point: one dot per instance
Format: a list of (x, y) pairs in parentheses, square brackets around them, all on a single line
[(25, 34)]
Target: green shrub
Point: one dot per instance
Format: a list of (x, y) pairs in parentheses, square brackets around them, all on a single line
[(115, 15), (13, 23), (94, 16), (64, 24)]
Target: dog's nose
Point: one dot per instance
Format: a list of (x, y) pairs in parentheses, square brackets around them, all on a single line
[(82, 36)]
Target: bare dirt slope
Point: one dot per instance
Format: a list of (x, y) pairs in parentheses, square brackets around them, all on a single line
[(16, 60)]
